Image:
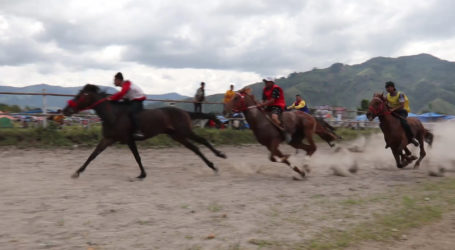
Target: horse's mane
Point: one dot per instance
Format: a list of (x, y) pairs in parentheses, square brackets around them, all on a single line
[(94, 89), (246, 90), (379, 95)]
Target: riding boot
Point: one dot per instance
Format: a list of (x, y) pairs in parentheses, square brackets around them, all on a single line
[(137, 134), (286, 134)]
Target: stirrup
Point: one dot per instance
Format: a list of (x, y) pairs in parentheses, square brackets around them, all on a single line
[(138, 135), (287, 137)]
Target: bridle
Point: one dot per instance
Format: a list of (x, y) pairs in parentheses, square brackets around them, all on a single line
[(74, 104), (241, 106), (380, 110)]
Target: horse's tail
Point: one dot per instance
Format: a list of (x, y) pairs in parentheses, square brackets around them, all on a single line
[(428, 137), (328, 127), (210, 116), (325, 124)]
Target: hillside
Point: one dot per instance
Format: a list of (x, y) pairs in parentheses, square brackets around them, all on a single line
[(55, 101), (428, 81)]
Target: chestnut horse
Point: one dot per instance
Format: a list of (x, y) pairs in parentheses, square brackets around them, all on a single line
[(300, 124), (394, 133), (117, 125)]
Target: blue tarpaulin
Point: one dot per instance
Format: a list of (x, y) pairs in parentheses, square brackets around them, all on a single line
[(425, 117)]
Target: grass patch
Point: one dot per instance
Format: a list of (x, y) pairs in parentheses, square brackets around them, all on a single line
[(263, 243), (51, 137), (410, 207), (214, 207), (414, 211)]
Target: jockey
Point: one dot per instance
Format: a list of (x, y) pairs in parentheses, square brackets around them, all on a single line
[(299, 104), (273, 100), (399, 104), (135, 96)]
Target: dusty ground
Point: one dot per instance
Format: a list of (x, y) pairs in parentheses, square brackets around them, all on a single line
[(183, 205)]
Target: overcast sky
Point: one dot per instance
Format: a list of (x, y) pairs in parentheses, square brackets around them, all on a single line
[(171, 46)]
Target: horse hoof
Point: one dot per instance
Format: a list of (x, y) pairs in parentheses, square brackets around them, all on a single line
[(141, 176), (307, 168), (302, 173), (222, 155), (75, 175)]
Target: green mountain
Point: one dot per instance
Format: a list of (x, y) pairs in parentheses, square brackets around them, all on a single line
[(57, 101), (428, 81)]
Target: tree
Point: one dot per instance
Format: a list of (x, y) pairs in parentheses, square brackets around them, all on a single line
[(11, 109), (363, 106)]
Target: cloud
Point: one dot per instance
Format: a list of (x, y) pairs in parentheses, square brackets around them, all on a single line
[(188, 40)]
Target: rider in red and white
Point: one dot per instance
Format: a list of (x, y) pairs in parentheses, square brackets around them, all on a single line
[(132, 94)]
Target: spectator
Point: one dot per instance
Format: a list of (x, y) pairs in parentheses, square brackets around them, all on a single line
[(228, 97), (199, 98)]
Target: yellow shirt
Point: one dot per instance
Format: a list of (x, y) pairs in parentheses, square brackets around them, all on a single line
[(301, 105), (394, 101), (228, 96)]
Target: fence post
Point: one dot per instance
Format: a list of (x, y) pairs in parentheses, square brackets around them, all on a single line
[(44, 109)]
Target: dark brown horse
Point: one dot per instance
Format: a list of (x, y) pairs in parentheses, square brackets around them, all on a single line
[(300, 124), (117, 125), (394, 133)]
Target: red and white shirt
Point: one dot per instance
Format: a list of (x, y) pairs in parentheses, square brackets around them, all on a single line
[(129, 91)]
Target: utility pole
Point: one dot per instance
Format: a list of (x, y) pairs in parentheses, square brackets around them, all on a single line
[(44, 109)]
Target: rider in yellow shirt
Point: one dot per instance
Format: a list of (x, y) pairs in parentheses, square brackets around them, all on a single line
[(399, 105), (299, 104)]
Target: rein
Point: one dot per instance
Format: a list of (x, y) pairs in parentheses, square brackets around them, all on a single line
[(74, 104)]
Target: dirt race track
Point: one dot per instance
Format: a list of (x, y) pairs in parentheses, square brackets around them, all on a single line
[(183, 205)]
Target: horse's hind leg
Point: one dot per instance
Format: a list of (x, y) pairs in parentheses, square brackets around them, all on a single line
[(409, 157), (102, 145), (203, 141), (196, 150), (422, 152), (133, 148)]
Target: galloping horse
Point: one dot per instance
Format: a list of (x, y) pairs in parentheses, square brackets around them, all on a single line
[(300, 124), (117, 125), (394, 133)]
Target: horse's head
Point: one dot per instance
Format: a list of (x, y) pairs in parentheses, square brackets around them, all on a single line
[(241, 101), (86, 97), (377, 106)]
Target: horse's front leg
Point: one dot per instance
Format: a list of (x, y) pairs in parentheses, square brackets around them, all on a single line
[(102, 145), (284, 159), (133, 148)]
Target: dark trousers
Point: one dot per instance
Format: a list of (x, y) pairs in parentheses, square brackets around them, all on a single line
[(198, 107), (402, 115), (135, 107)]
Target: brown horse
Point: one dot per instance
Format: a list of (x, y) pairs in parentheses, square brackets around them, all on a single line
[(394, 133), (117, 125), (300, 124)]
